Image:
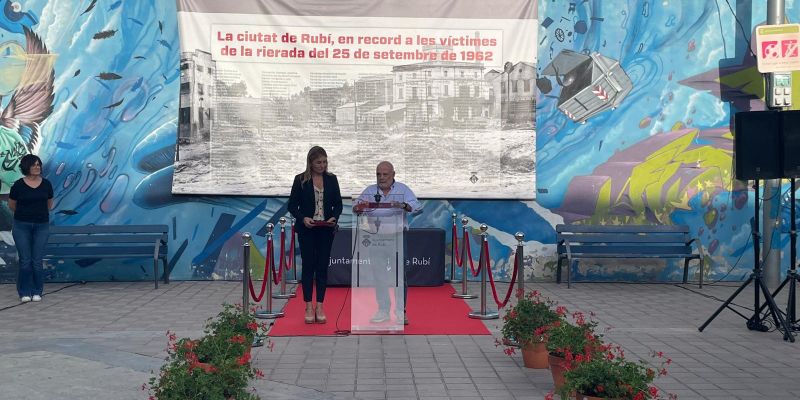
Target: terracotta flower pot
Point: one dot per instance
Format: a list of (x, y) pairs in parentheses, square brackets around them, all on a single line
[(586, 397), (557, 368), (534, 355)]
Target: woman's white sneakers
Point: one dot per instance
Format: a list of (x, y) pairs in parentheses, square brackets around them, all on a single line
[(36, 297), (26, 299)]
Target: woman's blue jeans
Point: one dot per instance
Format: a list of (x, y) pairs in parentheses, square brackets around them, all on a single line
[(30, 239)]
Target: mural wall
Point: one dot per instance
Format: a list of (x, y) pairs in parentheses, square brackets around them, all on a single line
[(656, 146), (660, 153)]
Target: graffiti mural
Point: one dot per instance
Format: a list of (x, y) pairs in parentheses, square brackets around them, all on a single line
[(112, 73), (664, 154), (92, 87)]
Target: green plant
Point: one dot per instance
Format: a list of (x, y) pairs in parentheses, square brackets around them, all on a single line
[(216, 366), (527, 320), (564, 338), (610, 375)]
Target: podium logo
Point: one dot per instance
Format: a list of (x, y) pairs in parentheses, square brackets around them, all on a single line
[(366, 242), (419, 261)]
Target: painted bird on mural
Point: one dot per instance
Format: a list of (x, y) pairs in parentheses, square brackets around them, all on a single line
[(14, 19), (28, 78)]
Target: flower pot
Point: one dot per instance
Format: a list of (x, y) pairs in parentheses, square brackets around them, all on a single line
[(557, 368), (586, 397), (534, 355)]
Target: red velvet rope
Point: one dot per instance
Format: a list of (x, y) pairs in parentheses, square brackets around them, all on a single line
[(290, 261), (469, 256), (500, 304), (282, 262), (276, 276), (263, 281)]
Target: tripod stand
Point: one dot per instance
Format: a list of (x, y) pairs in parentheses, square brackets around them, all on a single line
[(791, 276), (756, 322)]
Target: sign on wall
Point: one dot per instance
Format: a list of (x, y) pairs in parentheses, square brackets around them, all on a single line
[(445, 94), (778, 48)]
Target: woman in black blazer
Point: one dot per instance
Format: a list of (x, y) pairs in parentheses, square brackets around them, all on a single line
[(316, 204)]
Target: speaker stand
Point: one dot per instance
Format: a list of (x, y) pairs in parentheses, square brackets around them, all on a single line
[(792, 275), (756, 321)]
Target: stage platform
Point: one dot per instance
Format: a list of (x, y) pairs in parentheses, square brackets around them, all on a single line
[(101, 340)]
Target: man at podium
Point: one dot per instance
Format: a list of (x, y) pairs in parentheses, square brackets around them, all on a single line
[(388, 194)]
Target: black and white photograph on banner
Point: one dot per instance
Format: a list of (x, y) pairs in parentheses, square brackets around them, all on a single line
[(433, 94)]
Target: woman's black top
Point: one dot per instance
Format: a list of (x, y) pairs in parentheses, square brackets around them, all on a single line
[(31, 203), (301, 200)]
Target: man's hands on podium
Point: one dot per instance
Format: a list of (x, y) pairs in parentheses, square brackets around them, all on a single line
[(362, 206)]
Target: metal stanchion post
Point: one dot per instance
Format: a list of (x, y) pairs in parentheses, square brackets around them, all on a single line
[(268, 313), (521, 267), (465, 260), (452, 277), (245, 271), (483, 264), (283, 294), (258, 340), (294, 279)]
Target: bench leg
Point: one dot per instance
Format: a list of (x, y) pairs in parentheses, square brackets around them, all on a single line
[(155, 272), (702, 267), (685, 270), (558, 270), (572, 264), (166, 271)]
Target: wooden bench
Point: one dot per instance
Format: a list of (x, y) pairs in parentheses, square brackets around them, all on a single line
[(625, 241), (110, 241)]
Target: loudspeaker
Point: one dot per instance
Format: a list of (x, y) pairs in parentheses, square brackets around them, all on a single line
[(790, 126), (757, 141)]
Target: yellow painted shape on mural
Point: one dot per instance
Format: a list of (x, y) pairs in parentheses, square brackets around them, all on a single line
[(795, 90), (257, 261), (603, 199), (650, 176), (683, 204)]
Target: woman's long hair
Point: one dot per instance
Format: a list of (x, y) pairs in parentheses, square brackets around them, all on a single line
[(314, 153)]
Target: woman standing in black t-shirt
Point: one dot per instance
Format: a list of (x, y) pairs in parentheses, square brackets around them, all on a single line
[(30, 199)]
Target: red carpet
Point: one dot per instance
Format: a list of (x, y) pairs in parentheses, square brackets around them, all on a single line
[(431, 311)]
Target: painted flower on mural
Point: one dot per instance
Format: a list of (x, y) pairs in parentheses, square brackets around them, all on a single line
[(216, 366)]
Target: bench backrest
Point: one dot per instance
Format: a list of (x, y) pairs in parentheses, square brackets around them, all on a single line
[(646, 240), (107, 240)]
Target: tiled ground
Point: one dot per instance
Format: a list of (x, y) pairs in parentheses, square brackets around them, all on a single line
[(103, 339)]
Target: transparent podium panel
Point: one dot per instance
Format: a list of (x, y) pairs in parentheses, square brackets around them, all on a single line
[(378, 277)]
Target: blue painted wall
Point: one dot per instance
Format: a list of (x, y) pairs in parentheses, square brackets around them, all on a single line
[(662, 156)]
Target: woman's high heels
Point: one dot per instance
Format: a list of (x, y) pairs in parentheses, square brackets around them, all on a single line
[(321, 315), (309, 318)]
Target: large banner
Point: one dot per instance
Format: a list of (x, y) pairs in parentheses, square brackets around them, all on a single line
[(443, 91)]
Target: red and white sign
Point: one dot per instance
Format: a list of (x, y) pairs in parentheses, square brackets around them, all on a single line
[(777, 47)]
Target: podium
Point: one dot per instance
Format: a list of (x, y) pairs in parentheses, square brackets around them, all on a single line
[(378, 277)]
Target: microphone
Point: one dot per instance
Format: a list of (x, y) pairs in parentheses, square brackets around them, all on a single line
[(377, 197)]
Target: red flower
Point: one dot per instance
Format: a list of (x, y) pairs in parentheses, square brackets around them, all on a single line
[(237, 339), (599, 389), (639, 396), (244, 359), (252, 326), (653, 391), (259, 373)]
